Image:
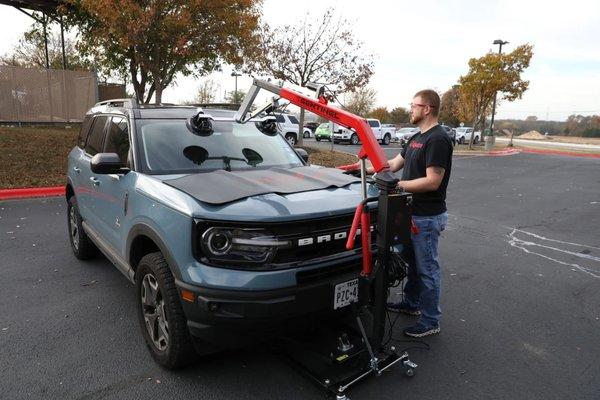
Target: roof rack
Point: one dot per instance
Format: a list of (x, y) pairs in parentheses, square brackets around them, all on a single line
[(126, 103)]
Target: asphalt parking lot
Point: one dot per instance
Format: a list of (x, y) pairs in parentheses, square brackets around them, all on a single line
[(521, 303)]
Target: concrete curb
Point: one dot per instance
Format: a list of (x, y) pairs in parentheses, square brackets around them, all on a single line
[(561, 153), (25, 193)]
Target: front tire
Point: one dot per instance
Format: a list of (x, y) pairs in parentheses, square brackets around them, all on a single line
[(386, 139), (160, 314), (318, 138), (82, 246), (354, 139)]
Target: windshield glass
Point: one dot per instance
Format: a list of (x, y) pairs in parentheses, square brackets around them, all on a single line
[(462, 129), (324, 126), (168, 147)]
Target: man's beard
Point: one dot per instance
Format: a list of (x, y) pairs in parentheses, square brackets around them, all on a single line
[(415, 119)]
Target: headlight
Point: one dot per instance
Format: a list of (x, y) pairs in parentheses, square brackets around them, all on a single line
[(238, 246)]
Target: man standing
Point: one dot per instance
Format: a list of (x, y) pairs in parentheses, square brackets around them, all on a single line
[(426, 161)]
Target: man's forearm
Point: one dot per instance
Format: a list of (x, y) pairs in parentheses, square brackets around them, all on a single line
[(419, 185)]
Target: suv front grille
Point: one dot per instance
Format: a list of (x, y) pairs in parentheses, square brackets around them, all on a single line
[(311, 240)]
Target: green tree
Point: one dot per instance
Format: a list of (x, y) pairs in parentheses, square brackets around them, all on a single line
[(319, 49), (399, 115), (361, 101), (490, 74), (153, 41), (235, 97), (448, 114), (380, 113)]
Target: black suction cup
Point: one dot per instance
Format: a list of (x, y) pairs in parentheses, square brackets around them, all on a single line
[(200, 125)]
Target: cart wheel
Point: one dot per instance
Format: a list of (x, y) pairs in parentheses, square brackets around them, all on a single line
[(410, 372)]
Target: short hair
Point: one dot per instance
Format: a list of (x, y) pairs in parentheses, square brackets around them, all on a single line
[(431, 98)]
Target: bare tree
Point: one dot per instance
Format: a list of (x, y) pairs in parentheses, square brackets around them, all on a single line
[(361, 101), (207, 92), (320, 49)]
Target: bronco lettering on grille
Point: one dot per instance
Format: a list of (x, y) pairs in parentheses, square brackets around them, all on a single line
[(326, 238)]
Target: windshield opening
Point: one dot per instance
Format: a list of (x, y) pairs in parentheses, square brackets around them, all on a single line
[(168, 147)]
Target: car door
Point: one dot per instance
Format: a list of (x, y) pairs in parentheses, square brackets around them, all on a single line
[(77, 163), (113, 188), (376, 128), (87, 192)]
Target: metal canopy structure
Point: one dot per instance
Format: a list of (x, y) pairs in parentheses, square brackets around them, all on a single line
[(49, 10)]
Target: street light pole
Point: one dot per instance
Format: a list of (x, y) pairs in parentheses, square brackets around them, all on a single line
[(500, 43), (235, 75)]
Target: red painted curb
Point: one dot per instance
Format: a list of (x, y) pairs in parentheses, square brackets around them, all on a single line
[(503, 152), (25, 193), (560, 153)]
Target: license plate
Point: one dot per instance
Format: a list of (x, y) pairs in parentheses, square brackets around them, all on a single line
[(345, 293)]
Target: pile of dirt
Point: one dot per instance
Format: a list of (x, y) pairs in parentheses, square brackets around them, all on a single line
[(532, 135), (328, 158)]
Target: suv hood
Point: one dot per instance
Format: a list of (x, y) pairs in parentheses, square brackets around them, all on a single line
[(275, 193)]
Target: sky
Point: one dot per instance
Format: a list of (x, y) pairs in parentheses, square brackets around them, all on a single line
[(427, 44)]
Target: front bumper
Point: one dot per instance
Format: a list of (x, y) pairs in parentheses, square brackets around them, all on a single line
[(232, 318)]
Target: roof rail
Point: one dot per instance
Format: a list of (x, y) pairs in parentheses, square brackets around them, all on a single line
[(126, 103)]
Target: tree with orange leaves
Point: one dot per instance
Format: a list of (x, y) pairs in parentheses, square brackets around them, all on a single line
[(153, 41)]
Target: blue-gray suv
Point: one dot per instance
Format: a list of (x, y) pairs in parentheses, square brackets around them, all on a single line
[(225, 230)]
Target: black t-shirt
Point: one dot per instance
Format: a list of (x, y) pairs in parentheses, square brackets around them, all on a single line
[(428, 149)]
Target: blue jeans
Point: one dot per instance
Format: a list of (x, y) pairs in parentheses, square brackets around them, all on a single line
[(424, 278)]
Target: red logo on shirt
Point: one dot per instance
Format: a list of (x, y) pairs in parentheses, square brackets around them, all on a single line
[(415, 145)]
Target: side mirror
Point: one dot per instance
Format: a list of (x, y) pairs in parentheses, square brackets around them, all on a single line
[(107, 163), (302, 153)]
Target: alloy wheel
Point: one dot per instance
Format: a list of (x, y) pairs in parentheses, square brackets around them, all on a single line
[(74, 230), (153, 306)]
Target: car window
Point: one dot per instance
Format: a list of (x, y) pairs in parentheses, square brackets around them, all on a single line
[(374, 124), (280, 118), (117, 138), (168, 147), (93, 145), (83, 132), (293, 119)]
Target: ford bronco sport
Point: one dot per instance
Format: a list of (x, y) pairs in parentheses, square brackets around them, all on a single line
[(223, 227)]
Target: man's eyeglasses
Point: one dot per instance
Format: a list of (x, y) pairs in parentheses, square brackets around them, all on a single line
[(414, 105)]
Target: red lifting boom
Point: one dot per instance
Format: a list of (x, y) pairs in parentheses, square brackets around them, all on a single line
[(370, 149)]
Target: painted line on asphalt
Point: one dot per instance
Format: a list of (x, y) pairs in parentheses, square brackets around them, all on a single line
[(523, 244)]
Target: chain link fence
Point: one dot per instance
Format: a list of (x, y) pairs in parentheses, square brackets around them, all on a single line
[(45, 95)]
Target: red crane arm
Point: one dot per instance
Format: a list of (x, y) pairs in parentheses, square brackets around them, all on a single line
[(370, 147)]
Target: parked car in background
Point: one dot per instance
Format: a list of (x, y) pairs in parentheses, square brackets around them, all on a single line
[(382, 134), (403, 134), (288, 125), (451, 132), (312, 126), (323, 132), (392, 130), (464, 133)]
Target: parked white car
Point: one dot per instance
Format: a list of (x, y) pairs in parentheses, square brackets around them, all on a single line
[(382, 134), (403, 134), (464, 133), (288, 126)]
